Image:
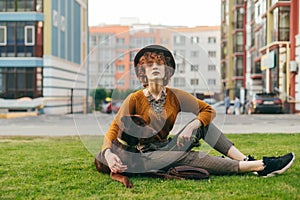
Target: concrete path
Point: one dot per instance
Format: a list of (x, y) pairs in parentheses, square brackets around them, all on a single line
[(98, 123)]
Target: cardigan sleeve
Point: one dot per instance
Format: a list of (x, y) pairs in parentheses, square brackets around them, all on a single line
[(188, 103), (116, 126)]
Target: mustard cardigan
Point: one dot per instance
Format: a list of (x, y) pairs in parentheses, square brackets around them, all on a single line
[(176, 101)]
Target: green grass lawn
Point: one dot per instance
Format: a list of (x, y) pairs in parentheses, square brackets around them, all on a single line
[(62, 168)]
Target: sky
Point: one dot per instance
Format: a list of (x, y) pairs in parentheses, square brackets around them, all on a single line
[(189, 13)]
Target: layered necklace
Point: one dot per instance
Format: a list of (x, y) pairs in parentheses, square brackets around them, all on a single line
[(157, 105)]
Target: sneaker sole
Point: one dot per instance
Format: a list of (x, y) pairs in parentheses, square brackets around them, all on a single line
[(281, 170)]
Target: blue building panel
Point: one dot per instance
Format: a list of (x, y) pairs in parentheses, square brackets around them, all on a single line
[(54, 41), (63, 7), (77, 33), (69, 31), (55, 5), (63, 45), (35, 62), (5, 16)]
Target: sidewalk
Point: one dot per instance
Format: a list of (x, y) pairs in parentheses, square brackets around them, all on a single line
[(98, 123)]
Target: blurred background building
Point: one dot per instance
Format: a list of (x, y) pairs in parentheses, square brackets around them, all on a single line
[(260, 49), (42, 46), (196, 50), (47, 51)]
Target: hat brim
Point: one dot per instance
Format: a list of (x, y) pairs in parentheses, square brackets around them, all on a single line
[(152, 48)]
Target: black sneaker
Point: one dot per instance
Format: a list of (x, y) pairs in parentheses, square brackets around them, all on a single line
[(249, 158), (277, 165)]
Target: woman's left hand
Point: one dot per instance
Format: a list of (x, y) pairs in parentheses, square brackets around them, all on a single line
[(186, 134)]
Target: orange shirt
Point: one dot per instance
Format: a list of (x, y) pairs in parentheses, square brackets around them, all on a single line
[(176, 101)]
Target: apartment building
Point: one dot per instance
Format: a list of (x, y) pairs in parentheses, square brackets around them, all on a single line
[(195, 49), (197, 55), (232, 47), (268, 39), (43, 45)]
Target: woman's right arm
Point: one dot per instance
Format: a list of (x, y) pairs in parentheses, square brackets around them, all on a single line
[(113, 161)]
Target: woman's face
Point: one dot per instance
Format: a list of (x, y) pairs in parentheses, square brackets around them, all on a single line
[(154, 65), (154, 71)]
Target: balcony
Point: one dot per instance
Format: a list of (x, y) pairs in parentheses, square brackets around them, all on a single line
[(238, 2), (282, 34), (239, 25), (256, 69), (273, 2), (238, 72), (238, 48)]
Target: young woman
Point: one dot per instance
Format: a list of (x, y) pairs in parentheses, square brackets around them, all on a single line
[(159, 106)]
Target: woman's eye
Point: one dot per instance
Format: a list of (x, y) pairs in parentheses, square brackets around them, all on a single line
[(149, 64)]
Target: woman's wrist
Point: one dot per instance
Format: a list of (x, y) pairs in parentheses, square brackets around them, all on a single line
[(198, 122), (106, 152)]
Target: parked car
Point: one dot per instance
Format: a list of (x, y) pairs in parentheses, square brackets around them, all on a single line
[(220, 107), (116, 106), (264, 103), (106, 107), (210, 101)]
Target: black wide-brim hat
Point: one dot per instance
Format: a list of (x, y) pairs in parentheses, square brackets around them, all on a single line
[(153, 48)]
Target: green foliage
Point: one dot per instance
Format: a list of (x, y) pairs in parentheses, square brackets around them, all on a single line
[(62, 168), (98, 96), (120, 94)]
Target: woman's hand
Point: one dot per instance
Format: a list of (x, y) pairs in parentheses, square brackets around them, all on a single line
[(114, 163), (186, 134)]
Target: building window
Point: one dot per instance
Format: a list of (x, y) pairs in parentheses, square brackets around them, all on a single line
[(211, 67), (195, 40), (121, 82), (120, 41), (181, 68), (194, 68), (194, 54), (16, 82), (23, 39), (132, 55), (212, 40), (93, 40), (164, 41), (211, 82), (212, 54), (179, 40), (29, 35), (194, 81), (179, 53), (121, 56), (19, 5), (3, 39), (179, 82), (120, 68)]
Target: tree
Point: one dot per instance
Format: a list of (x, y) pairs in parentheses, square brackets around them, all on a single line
[(98, 96)]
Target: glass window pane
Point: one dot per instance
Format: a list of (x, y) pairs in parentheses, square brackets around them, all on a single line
[(2, 5), (20, 33), (29, 35), (11, 33), (21, 5), (2, 35), (11, 81), (30, 5), (21, 81), (29, 80), (10, 5)]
